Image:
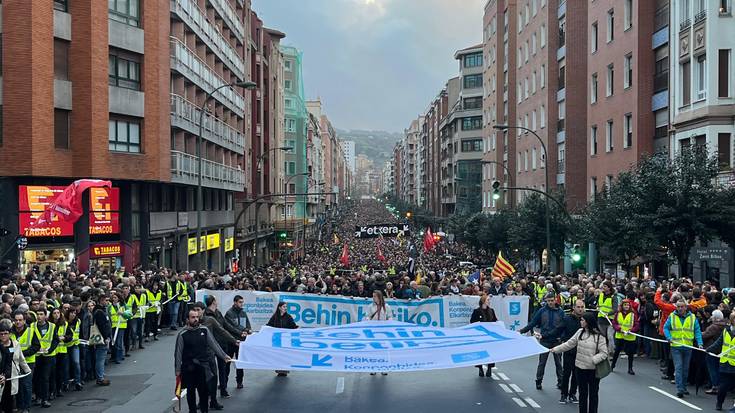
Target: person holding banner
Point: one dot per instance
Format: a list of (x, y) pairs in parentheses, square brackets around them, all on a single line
[(17, 363), (282, 319), (591, 347), (484, 314), (237, 317), (572, 324), (682, 329), (625, 322), (548, 319)]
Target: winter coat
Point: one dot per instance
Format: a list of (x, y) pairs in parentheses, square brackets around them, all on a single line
[(483, 316), (713, 332), (282, 321), (18, 368), (591, 349)]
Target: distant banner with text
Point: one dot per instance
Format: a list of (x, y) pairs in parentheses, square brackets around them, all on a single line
[(312, 310), (383, 346)]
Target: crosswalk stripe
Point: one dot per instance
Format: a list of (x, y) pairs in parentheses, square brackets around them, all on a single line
[(519, 402)]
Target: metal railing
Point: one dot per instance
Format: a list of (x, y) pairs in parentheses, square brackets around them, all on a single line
[(684, 24), (186, 62), (196, 19), (700, 16), (560, 168), (185, 169), (185, 114)]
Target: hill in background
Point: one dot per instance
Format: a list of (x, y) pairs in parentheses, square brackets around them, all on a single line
[(376, 145)]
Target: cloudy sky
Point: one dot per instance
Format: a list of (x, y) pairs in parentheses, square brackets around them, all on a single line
[(375, 64)]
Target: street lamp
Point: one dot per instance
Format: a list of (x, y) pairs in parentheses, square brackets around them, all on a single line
[(259, 162), (200, 201), (546, 170), (285, 194)]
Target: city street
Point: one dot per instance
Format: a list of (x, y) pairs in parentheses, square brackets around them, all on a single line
[(146, 384)]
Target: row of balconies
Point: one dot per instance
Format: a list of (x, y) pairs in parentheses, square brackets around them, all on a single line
[(229, 15), (185, 115), (188, 64), (185, 170), (196, 19)]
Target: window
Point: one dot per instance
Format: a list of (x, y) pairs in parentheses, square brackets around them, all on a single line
[(686, 88), (662, 123), (533, 121), (287, 103), (473, 60), (661, 69), (725, 7), (527, 14), (473, 81), (61, 59), (287, 84), (628, 14), (609, 145), (593, 38), (562, 77), (593, 140), (533, 44), (628, 74), (723, 150), (525, 52), (562, 32), (525, 88), (542, 116), (608, 182), (700, 74), (525, 160), (628, 126), (289, 167), (125, 11), (518, 163), (543, 36), (610, 79), (290, 125), (472, 123), (593, 88), (124, 70), (533, 158), (723, 73), (561, 155), (60, 5), (533, 83), (124, 135), (543, 76), (61, 129), (290, 143), (610, 25), (593, 188), (472, 103), (472, 145), (533, 7), (684, 18)]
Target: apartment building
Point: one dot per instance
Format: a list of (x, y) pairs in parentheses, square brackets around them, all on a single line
[(499, 102), (134, 121)]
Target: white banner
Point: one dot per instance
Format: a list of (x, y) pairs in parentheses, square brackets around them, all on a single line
[(313, 310), (383, 346)]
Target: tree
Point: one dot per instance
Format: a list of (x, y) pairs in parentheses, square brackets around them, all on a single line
[(528, 233)]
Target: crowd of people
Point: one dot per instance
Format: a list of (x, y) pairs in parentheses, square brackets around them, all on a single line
[(70, 326)]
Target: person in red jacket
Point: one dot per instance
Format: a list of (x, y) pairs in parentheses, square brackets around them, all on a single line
[(625, 322)]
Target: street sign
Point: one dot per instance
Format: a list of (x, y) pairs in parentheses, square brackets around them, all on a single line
[(714, 254), (22, 243)]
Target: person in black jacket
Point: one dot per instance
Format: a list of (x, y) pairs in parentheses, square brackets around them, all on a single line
[(282, 319), (484, 314), (570, 325), (102, 320)]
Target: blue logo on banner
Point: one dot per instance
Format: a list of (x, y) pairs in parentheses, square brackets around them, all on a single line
[(316, 361), (515, 308), (467, 357)]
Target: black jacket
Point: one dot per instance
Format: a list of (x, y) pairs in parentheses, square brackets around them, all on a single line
[(102, 319), (222, 336), (282, 321), (485, 316), (570, 325)]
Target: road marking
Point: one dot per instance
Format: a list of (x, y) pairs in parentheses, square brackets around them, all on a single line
[(340, 385), (505, 388), (503, 376), (516, 388), (495, 377), (531, 402), (519, 402), (671, 396)]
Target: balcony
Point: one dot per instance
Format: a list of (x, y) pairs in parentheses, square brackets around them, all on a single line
[(684, 24), (197, 20), (185, 115), (560, 168), (185, 170), (187, 63), (700, 16), (224, 9), (660, 81)]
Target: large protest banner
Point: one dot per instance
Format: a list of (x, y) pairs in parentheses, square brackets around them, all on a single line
[(311, 310), (383, 346)]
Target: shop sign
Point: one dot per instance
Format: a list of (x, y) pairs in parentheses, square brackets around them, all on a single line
[(385, 230), (103, 206), (32, 201), (229, 244), (106, 250), (213, 241), (192, 246)]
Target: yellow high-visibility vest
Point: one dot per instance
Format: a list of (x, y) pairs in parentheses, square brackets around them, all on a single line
[(604, 305), (682, 332), (727, 357), (25, 341), (46, 339), (626, 324)]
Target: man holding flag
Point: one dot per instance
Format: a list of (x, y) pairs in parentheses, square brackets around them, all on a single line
[(502, 268)]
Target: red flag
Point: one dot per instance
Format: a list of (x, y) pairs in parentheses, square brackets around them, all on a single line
[(345, 258), (428, 240), (381, 257), (67, 206)]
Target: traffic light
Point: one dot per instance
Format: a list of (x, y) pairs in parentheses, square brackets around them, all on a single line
[(576, 254), (282, 234), (496, 190)]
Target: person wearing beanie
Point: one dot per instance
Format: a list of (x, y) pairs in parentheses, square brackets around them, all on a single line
[(709, 336), (625, 322)]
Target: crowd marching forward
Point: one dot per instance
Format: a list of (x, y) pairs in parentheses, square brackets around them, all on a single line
[(69, 327)]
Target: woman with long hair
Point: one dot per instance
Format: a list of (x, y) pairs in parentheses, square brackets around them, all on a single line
[(282, 319), (591, 347), (484, 314), (61, 373), (72, 348)]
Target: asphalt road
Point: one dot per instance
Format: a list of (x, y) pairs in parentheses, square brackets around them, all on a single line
[(144, 383)]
